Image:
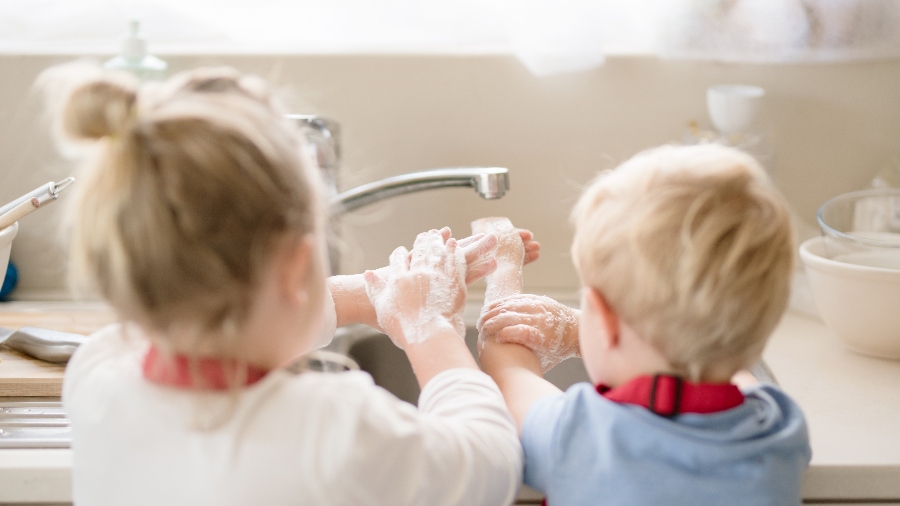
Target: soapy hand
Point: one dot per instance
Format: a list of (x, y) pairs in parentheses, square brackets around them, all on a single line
[(539, 323), (479, 249), (421, 289)]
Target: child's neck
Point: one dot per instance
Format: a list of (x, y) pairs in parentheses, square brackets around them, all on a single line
[(636, 358)]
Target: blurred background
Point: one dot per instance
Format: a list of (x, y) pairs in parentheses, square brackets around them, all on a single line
[(554, 90)]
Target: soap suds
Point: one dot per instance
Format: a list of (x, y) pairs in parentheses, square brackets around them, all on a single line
[(507, 279), (539, 323), (420, 289)]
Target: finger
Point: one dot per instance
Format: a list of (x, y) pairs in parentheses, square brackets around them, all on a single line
[(490, 311), (481, 248), (399, 260), (428, 250), (530, 256), (532, 246), (476, 271), (450, 259), (456, 262), (445, 233), (465, 242), (528, 337), (497, 323), (374, 283), (526, 235), (516, 302)]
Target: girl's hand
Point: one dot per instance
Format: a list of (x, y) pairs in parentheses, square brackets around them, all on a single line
[(422, 291), (539, 323)]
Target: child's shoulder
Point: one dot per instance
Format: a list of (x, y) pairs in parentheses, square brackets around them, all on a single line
[(110, 347), (771, 399), (580, 409)]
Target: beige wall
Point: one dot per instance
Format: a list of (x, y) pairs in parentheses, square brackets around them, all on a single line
[(831, 127)]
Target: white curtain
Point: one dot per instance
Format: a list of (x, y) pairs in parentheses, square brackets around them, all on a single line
[(549, 36)]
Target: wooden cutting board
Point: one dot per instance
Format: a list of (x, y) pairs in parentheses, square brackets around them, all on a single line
[(23, 376)]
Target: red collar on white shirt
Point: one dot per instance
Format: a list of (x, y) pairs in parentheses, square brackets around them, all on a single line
[(208, 373), (668, 395)]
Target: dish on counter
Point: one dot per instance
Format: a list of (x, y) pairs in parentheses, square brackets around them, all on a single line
[(857, 302), (863, 227)]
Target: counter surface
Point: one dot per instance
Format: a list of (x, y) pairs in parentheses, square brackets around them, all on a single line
[(851, 402)]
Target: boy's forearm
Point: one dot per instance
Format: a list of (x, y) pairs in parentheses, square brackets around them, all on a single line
[(517, 372), (351, 303)]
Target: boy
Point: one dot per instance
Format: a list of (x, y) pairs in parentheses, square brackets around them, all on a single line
[(685, 255)]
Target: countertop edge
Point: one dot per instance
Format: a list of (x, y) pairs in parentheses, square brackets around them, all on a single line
[(35, 476), (855, 483)]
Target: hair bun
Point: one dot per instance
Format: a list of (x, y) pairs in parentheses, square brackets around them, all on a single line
[(99, 107)]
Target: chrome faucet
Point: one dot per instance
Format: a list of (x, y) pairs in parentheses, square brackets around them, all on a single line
[(323, 141), (489, 182)]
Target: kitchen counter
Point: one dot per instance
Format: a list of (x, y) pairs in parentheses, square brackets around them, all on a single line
[(852, 404)]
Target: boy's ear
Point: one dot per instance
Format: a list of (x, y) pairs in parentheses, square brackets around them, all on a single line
[(609, 321), (295, 269)]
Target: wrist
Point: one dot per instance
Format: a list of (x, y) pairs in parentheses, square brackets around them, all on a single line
[(351, 302), (496, 357), (422, 329), (441, 350)]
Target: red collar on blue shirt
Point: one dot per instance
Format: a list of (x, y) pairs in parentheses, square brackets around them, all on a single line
[(668, 395), (182, 371)]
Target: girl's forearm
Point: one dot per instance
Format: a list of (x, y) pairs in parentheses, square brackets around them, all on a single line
[(439, 348), (351, 303)]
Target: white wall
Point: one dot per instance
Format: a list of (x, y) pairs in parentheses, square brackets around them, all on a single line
[(831, 127)]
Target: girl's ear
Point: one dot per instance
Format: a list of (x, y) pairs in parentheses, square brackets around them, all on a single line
[(607, 319), (295, 270)]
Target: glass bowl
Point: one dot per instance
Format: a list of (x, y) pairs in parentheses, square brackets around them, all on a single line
[(863, 227)]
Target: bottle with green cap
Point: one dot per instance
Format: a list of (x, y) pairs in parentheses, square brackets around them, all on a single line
[(134, 57)]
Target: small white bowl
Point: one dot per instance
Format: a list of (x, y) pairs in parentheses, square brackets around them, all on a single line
[(858, 303), (6, 238), (733, 108)]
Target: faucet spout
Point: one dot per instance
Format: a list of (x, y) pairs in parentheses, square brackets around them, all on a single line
[(489, 182)]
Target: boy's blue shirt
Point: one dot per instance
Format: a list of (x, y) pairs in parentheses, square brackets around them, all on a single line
[(581, 448)]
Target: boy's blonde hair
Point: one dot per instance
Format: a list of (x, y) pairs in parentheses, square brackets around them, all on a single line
[(693, 247), (194, 185)]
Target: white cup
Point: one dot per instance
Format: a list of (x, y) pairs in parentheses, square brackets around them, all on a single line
[(733, 107)]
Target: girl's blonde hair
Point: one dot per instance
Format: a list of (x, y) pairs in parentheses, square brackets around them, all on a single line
[(194, 184), (693, 247)]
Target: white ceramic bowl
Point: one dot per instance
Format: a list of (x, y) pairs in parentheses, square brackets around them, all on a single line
[(860, 304), (6, 238), (733, 108)]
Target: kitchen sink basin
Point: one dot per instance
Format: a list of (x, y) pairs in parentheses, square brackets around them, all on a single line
[(33, 422), (377, 355)]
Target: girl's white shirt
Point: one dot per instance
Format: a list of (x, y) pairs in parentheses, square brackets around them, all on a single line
[(335, 439)]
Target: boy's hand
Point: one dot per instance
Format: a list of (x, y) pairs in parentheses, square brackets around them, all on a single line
[(541, 324), (478, 250), (421, 291)]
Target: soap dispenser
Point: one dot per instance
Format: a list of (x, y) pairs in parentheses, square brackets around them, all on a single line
[(134, 57)]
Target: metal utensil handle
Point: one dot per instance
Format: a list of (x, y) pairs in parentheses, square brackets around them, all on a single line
[(45, 344)]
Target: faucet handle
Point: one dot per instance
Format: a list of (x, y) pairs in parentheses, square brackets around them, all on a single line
[(323, 137)]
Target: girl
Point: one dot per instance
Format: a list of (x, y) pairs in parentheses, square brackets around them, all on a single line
[(201, 226)]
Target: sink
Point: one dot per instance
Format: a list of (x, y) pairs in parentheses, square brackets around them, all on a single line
[(33, 422), (377, 355)]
